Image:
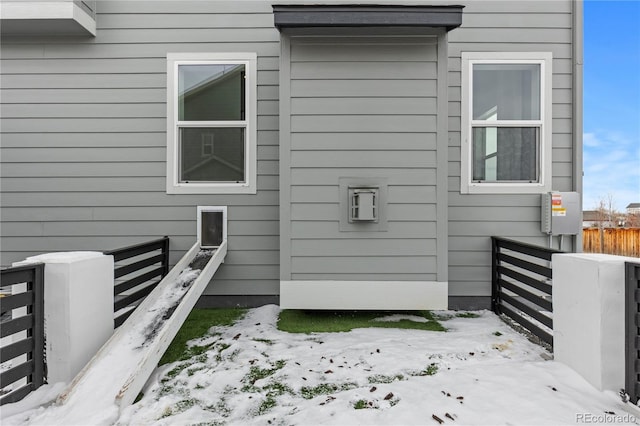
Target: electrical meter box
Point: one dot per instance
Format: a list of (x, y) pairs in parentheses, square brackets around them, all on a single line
[(561, 213)]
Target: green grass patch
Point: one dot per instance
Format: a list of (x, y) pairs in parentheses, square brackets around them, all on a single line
[(429, 371), (257, 373), (306, 321), (361, 404), (274, 390), (220, 408), (310, 392), (267, 404), (382, 379), (174, 372), (267, 342), (196, 325), (467, 315)]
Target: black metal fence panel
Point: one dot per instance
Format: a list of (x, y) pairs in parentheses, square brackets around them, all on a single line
[(22, 351), (632, 330), (138, 270), (521, 285)]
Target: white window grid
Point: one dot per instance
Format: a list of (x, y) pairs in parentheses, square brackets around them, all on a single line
[(174, 185), (544, 124)]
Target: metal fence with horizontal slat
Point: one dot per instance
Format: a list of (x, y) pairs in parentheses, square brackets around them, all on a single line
[(632, 330), (138, 270), (22, 352), (521, 285)]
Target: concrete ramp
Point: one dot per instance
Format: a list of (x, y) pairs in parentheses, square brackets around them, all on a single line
[(116, 374)]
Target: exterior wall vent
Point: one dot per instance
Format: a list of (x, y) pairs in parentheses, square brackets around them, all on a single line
[(212, 226), (363, 204)]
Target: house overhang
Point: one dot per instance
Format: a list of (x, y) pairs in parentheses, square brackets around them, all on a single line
[(48, 18), (376, 16)]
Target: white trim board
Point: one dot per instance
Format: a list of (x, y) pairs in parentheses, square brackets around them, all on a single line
[(386, 295)]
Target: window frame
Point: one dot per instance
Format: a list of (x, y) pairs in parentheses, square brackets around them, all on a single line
[(544, 160), (174, 186)]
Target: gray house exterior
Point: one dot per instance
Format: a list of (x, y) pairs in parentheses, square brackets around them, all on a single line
[(447, 121)]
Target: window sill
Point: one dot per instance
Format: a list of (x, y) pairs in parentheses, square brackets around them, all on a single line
[(505, 188), (211, 189)]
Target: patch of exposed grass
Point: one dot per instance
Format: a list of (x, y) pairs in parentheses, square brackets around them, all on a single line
[(179, 407), (185, 404), (361, 404), (278, 388), (168, 389), (211, 423), (192, 371), (195, 350), (267, 342), (461, 314), (429, 371), (309, 392), (304, 321), (174, 372), (274, 390), (257, 373), (196, 325), (381, 378), (267, 404), (467, 315), (220, 408)]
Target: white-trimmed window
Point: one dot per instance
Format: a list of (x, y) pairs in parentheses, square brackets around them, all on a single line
[(506, 122), (211, 123)]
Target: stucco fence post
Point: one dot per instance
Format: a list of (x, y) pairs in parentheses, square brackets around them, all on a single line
[(589, 316), (78, 309)]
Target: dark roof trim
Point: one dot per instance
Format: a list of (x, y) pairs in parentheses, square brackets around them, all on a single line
[(297, 16)]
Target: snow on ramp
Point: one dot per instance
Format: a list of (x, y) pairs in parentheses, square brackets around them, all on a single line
[(116, 374)]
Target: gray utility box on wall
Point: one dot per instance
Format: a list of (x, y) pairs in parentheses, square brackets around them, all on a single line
[(561, 213)]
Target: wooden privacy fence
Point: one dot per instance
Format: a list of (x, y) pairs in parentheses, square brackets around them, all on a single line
[(632, 330), (619, 241), (22, 351), (521, 285), (138, 270)]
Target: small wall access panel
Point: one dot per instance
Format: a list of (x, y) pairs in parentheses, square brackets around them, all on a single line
[(363, 204), (212, 226), (561, 213)]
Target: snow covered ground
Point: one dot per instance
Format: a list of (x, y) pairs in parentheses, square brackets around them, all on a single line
[(479, 372)]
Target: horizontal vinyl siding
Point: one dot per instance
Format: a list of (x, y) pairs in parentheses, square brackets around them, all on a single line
[(84, 138), (83, 142), (505, 26), (363, 108)]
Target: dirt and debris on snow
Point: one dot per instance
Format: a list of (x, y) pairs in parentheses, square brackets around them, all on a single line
[(478, 372)]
